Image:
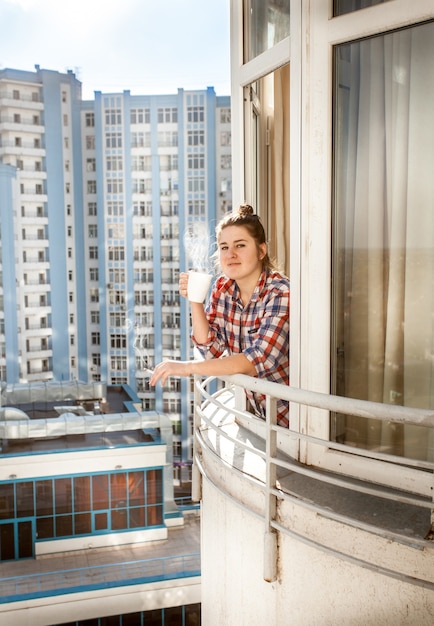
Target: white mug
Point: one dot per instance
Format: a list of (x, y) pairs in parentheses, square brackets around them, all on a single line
[(198, 285)]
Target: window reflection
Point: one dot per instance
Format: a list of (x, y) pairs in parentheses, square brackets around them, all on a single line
[(348, 6), (266, 23), (384, 234)]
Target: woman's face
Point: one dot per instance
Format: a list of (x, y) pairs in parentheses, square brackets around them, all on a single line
[(240, 255)]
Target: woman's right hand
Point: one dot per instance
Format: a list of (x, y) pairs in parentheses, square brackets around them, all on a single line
[(183, 282)]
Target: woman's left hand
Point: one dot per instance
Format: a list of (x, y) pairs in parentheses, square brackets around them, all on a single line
[(169, 368)]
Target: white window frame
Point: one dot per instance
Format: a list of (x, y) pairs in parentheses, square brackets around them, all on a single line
[(309, 49)]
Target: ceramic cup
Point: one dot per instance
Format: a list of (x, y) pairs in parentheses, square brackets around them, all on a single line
[(198, 285)]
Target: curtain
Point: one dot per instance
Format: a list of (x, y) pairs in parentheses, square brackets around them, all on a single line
[(280, 167), (384, 233)]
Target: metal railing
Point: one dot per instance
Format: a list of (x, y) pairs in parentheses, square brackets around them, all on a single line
[(273, 434)]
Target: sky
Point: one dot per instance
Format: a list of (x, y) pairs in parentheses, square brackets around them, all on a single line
[(146, 46)]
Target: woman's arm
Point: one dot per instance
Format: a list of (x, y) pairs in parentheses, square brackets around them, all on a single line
[(227, 365)]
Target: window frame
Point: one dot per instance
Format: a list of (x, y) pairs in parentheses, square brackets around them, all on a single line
[(311, 168)]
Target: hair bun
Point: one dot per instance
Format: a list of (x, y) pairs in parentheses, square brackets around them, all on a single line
[(245, 210)]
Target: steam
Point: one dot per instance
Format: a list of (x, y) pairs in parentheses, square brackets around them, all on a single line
[(139, 349), (197, 245)]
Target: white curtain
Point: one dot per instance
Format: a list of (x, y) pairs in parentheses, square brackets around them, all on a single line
[(384, 232)]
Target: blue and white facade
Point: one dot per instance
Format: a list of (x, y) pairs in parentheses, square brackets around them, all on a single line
[(99, 196)]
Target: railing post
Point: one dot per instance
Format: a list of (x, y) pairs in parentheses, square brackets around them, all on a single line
[(196, 478), (270, 535)]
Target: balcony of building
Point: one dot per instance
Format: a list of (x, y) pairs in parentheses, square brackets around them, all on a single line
[(319, 546)]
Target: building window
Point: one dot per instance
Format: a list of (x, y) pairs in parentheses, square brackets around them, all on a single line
[(94, 295), (113, 140), (117, 320), (225, 116), (114, 164), (167, 115), (94, 317), (91, 186), (195, 114), (83, 505), (118, 362), (93, 252), (267, 23), (196, 138), (93, 273), (140, 116), (196, 162), (225, 138), (196, 184), (91, 165), (347, 6), (90, 120), (90, 142), (113, 117), (118, 341), (115, 185), (383, 234), (95, 339), (92, 231), (116, 253), (115, 207)]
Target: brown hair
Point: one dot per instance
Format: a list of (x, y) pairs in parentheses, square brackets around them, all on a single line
[(245, 216)]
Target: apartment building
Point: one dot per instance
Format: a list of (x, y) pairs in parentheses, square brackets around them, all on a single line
[(98, 199)]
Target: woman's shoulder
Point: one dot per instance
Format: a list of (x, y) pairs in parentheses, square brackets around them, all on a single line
[(277, 281)]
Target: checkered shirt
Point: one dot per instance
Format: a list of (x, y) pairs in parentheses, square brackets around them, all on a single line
[(260, 331)]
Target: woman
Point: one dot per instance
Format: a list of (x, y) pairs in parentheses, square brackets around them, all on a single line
[(244, 329)]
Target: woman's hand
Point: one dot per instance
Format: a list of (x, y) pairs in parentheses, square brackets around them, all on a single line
[(183, 282), (169, 368)]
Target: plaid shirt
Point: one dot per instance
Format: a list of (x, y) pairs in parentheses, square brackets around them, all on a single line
[(260, 331)]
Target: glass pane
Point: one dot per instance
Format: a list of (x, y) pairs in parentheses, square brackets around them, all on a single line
[(82, 493), (267, 23), (154, 486), (25, 502), (7, 542), (44, 528), (348, 6), (63, 497), (118, 490), (101, 521), (44, 497), (82, 524), (383, 266), (7, 501), (25, 540), (119, 519), (136, 488), (136, 517), (63, 525), (100, 492)]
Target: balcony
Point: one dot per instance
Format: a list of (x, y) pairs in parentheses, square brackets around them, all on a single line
[(321, 546)]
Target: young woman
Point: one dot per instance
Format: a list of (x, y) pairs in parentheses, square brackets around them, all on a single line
[(244, 328)]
